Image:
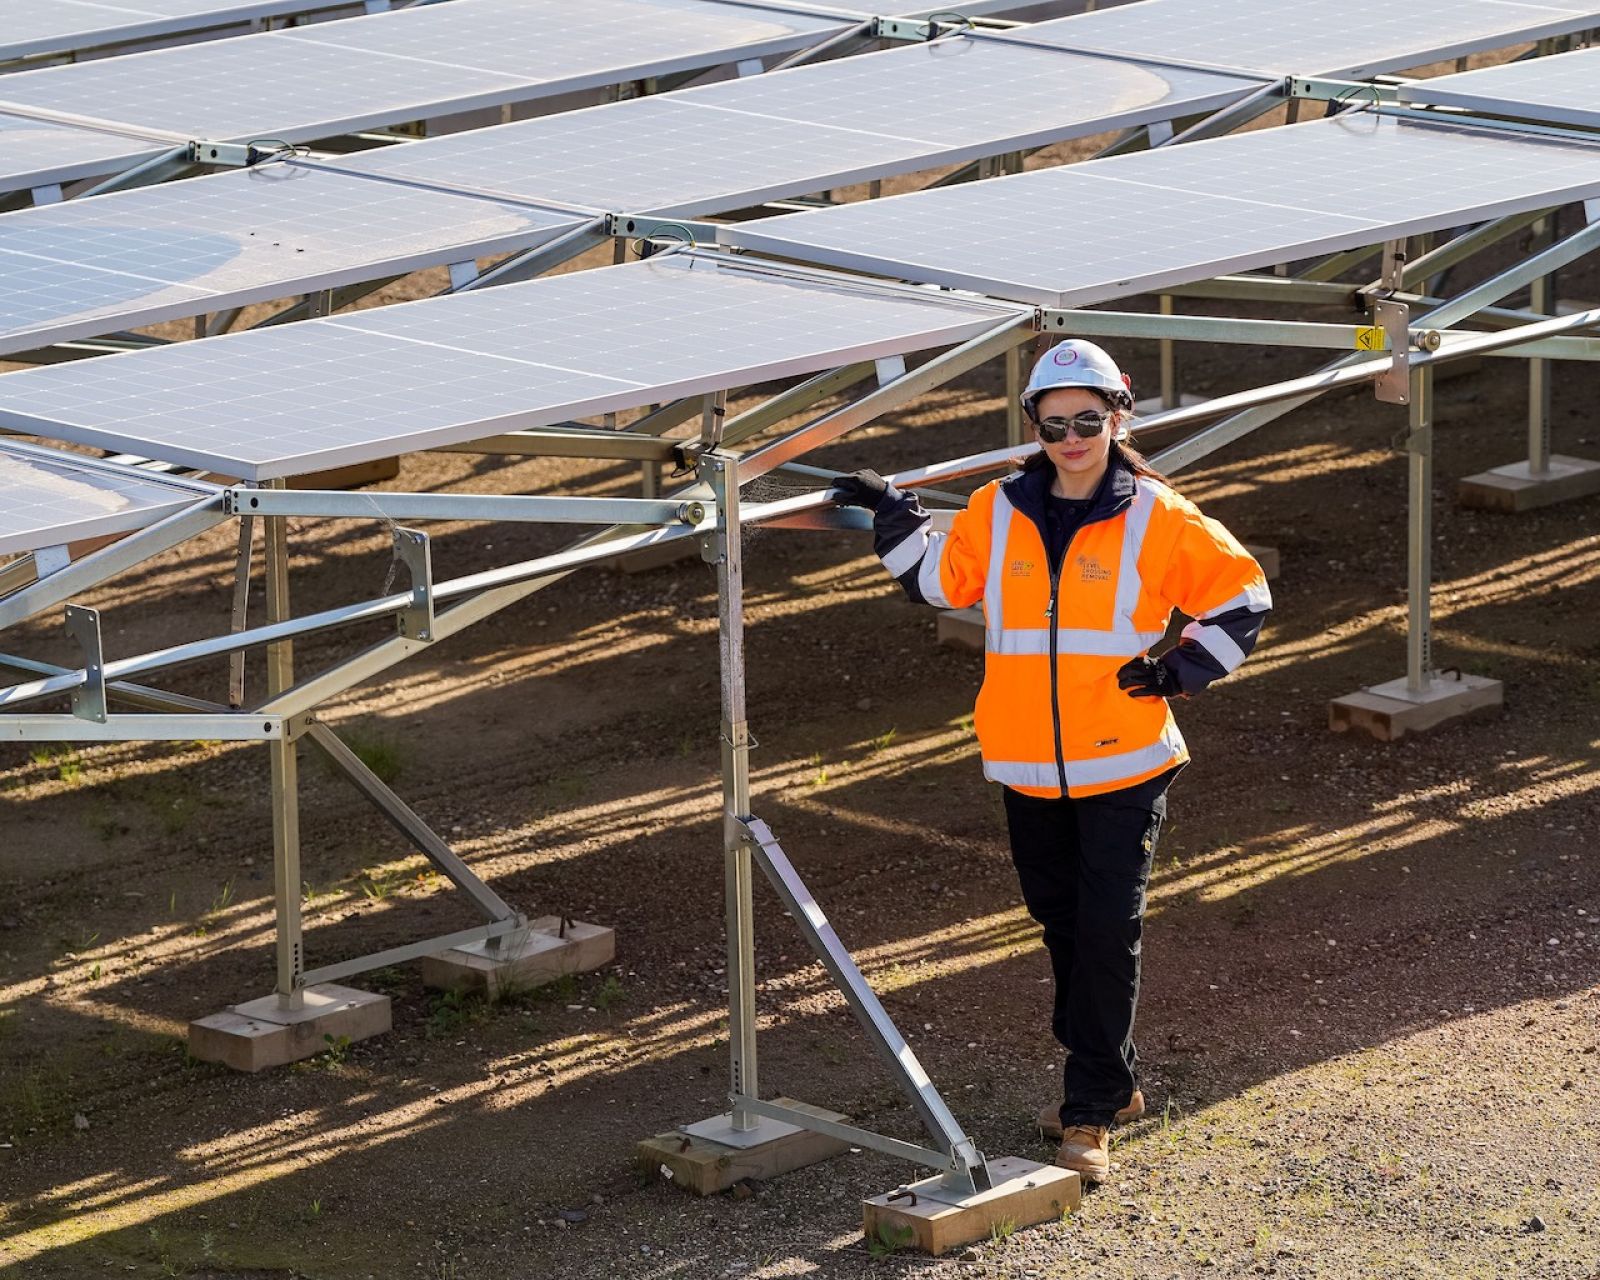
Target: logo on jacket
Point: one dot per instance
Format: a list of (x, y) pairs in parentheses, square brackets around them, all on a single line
[(1091, 570), (1022, 568)]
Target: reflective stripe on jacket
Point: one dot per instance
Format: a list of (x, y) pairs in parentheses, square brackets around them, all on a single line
[(1142, 551)]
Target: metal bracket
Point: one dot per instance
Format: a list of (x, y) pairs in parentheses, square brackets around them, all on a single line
[(412, 549), (89, 698), (1393, 385)]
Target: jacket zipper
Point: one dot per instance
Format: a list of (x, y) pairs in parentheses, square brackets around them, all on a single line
[(1055, 691)]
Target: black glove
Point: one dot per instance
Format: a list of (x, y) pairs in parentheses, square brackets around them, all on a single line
[(860, 489), (1149, 677)]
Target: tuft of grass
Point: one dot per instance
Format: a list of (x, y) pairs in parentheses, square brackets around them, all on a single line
[(884, 740), (610, 994), (379, 752), (452, 1012), (1003, 1230), (887, 1240)]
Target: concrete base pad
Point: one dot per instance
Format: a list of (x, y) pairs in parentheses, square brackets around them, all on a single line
[(1152, 405), (961, 628), (706, 1167), (525, 960), (1266, 557), (259, 1034), (1389, 711), (1515, 487), (934, 1220)]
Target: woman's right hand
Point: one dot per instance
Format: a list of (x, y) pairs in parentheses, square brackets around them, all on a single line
[(864, 488)]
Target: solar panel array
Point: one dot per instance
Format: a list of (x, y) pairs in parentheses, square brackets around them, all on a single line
[(346, 389), (1564, 89), (412, 64), (48, 497), (66, 26), (1132, 224), (285, 228), (1353, 38)]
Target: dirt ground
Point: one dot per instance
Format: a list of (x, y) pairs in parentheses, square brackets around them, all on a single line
[(1370, 1025)]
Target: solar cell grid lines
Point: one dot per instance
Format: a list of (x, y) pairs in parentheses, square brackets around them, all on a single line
[(409, 64), (1357, 38), (48, 497), (272, 230), (62, 26), (327, 392), (40, 152), (791, 132), (538, 40), (1562, 89), (1138, 222)]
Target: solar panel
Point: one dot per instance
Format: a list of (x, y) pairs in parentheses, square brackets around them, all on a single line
[(138, 257), (35, 153), (1355, 38), (332, 78), (1130, 224), (606, 41), (48, 498), (1564, 89), (329, 392), (790, 132), (63, 26)]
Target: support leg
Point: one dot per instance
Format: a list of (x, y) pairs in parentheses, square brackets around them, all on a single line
[(1423, 699), (1545, 477)]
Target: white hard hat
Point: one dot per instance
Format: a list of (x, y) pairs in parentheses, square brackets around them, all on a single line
[(1076, 363)]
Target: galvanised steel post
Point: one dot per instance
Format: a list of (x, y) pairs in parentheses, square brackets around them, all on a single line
[(1419, 576), (285, 775), (724, 548), (1541, 294)]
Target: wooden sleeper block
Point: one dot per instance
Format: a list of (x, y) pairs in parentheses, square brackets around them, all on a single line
[(1024, 1194), (706, 1168)]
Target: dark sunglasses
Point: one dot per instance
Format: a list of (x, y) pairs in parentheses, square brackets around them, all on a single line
[(1087, 424)]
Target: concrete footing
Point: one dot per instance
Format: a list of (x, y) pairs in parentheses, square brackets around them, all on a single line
[(545, 952), (260, 1033), (924, 1216), (961, 628), (1517, 487), (1390, 711), (709, 1157), (1267, 557)]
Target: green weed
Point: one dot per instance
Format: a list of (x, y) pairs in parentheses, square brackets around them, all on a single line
[(887, 1240), (610, 994)]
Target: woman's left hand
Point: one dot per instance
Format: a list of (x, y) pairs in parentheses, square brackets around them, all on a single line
[(1147, 677)]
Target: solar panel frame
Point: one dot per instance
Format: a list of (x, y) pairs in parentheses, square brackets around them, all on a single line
[(351, 388), (76, 270), (1172, 217), (1550, 89), (1219, 33), (48, 497)]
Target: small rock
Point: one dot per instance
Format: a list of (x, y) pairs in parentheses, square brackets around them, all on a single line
[(1533, 1225), (573, 1216), (742, 1190), (968, 1255), (863, 704), (597, 1198), (80, 1121)]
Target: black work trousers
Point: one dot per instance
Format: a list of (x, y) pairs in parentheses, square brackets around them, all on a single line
[(1084, 866)]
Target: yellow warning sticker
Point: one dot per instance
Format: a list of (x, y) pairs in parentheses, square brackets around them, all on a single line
[(1369, 338)]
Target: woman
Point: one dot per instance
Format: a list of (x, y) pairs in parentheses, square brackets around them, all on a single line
[(1079, 559)]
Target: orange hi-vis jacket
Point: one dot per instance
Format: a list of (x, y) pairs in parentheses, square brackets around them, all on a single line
[(1050, 718)]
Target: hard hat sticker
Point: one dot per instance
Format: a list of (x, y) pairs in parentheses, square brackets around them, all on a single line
[(1065, 355)]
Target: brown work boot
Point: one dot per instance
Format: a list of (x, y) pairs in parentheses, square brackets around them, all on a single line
[(1050, 1116), (1086, 1149)]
